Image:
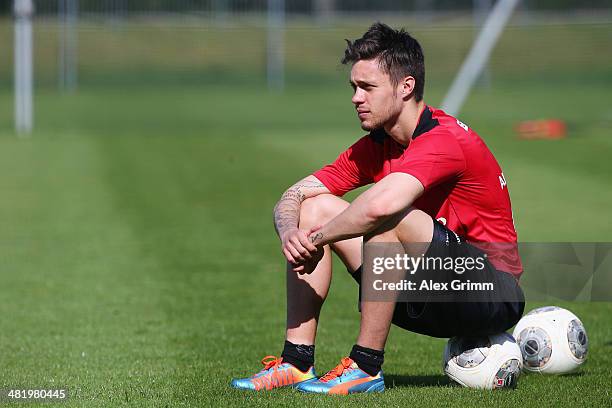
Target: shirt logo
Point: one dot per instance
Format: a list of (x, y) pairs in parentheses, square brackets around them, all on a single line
[(502, 181), (463, 125)]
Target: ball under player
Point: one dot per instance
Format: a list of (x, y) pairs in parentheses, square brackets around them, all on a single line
[(433, 181)]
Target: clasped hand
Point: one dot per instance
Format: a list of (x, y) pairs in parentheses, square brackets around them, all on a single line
[(301, 254)]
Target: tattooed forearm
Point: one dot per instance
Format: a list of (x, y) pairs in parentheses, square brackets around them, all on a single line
[(287, 210)]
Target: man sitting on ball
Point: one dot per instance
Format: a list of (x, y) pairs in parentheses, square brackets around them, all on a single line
[(434, 182)]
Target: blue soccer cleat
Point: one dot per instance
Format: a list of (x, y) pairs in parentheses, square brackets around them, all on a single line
[(346, 378), (275, 374)]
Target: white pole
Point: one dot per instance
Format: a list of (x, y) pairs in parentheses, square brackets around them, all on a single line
[(276, 45), (221, 12), (479, 55), (72, 8), (424, 10), (68, 74), (24, 9), (481, 10), (61, 60), (324, 11)]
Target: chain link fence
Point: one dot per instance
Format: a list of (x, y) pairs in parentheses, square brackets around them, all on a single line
[(151, 42)]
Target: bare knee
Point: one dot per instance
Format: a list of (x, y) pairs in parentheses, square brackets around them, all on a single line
[(320, 209)]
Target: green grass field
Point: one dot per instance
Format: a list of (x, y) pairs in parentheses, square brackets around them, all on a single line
[(140, 265)]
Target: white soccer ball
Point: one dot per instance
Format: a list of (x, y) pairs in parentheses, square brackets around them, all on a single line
[(552, 340), (488, 362)]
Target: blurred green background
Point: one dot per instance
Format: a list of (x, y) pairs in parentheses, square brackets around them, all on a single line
[(140, 265)]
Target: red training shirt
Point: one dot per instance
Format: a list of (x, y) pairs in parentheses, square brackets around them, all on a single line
[(465, 188)]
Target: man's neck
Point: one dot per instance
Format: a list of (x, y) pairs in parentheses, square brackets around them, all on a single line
[(403, 127)]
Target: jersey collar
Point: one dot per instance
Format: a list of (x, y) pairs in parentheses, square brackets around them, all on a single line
[(426, 123)]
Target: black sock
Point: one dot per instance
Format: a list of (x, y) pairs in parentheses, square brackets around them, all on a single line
[(368, 360), (300, 355)]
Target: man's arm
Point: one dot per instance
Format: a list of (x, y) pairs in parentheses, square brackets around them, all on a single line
[(394, 193), (295, 244)]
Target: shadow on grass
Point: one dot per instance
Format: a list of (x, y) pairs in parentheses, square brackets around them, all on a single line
[(392, 381), (575, 374)]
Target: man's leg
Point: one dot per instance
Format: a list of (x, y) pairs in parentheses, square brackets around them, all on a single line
[(306, 293), (361, 372), (410, 228), (305, 296)]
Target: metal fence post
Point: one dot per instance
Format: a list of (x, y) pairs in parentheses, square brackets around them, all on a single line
[(276, 45), (24, 109)]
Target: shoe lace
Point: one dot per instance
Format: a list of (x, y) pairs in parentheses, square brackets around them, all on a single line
[(344, 365), (273, 378), (271, 362)]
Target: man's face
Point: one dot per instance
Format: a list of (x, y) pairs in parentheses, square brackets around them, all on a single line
[(376, 100)]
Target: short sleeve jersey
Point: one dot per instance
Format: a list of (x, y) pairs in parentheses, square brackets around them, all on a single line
[(464, 187)]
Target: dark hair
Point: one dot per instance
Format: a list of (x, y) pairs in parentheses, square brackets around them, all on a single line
[(399, 54)]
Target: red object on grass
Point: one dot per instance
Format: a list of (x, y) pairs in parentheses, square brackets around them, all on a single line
[(542, 129)]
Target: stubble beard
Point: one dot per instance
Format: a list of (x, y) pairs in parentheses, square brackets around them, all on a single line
[(379, 123), (367, 128), (391, 113), (374, 124)]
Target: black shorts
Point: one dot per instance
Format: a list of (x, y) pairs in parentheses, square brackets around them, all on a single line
[(488, 315)]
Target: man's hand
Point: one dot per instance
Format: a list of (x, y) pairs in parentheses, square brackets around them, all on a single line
[(312, 258), (311, 263), (309, 266), (296, 247)]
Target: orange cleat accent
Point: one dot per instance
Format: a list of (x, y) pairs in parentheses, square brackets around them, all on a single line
[(275, 374), (345, 378)]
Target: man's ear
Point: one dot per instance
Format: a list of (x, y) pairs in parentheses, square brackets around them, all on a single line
[(407, 86)]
